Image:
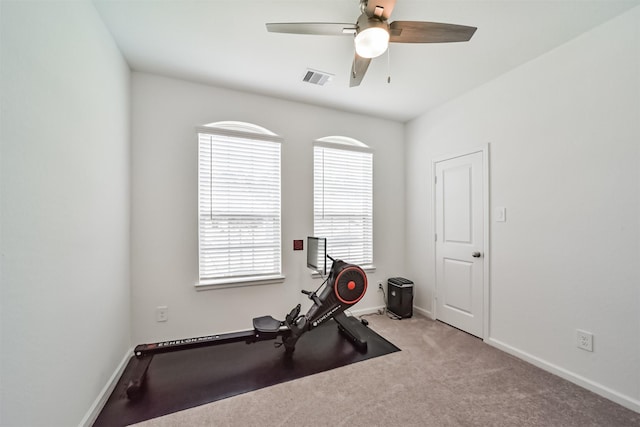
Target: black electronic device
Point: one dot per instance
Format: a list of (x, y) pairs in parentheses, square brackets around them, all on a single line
[(400, 297), (345, 286), (317, 254)]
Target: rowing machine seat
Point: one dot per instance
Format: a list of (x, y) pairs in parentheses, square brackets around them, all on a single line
[(266, 324)]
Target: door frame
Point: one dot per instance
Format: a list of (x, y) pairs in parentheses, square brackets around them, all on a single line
[(484, 149)]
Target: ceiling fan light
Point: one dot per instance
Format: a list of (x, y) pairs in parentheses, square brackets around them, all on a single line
[(372, 42)]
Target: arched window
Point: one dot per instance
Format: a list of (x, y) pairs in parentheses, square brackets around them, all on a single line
[(238, 204), (239, 127), (343, 198)]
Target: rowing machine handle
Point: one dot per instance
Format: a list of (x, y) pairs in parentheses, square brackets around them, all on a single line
[(312, 296)]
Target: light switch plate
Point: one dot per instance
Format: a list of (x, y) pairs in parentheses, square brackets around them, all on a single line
[(162, 313), (501, 214)]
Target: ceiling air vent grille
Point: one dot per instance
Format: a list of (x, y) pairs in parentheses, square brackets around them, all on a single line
[(317, 77)]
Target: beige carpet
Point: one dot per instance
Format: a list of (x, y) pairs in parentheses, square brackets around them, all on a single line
[(442, 377)]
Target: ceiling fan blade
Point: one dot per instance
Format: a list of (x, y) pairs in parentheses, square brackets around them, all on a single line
[(428, 32), (316, 28), (380, 8), (358, 69)]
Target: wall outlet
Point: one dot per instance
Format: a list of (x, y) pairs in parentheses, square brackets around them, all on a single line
[(162, 313), (585, 340), (380, 287)]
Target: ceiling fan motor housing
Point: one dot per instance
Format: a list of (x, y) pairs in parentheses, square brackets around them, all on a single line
[(365, 21)]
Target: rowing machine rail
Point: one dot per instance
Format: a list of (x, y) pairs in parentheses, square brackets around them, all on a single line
[(345, 286)]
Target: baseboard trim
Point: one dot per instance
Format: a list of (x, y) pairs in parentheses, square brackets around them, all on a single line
[(371, 310), (362, 311), (424, 312), (103, 396), (606, 392)]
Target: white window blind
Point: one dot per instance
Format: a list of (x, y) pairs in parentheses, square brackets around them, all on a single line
[(343, 201), (238, 205)]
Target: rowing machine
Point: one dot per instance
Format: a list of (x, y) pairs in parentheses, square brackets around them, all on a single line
[(345, 286)]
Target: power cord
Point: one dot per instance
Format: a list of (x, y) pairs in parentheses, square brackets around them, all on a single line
[(383, 310), (389, 314)]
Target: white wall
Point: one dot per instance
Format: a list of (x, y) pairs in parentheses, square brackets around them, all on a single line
[(65, 211), (564, 138), (165, 113)]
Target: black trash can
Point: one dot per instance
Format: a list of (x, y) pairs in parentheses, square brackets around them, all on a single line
[(400, 297)]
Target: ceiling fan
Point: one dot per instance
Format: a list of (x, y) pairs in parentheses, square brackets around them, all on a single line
[(373, 33)]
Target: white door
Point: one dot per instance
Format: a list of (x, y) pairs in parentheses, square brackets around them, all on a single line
[(459, 222)]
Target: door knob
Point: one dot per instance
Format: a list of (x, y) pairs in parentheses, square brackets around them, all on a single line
[(476, 254)]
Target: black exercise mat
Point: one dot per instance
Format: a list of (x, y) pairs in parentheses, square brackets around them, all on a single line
[(189, 378)]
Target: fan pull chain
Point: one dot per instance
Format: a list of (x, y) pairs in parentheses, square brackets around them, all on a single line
[(389, 64), (353, 68)]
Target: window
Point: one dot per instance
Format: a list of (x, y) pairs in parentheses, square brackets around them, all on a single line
[(238, 203), (343, 198)]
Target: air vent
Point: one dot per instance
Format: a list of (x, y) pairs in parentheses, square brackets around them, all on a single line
[(317, 77)]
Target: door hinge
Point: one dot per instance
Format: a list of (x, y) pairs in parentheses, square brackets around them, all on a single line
[(436, 179), (436, 235)]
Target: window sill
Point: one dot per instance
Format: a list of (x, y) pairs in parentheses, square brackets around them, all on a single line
[(366, 268), (207, 285)]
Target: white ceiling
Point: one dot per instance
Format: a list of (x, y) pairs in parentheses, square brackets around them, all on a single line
[(225, 43)]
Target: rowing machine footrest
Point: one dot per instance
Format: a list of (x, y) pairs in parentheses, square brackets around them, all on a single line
[(266, 324)]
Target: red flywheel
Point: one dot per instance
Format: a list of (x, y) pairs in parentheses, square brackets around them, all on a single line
[(351, 284)]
